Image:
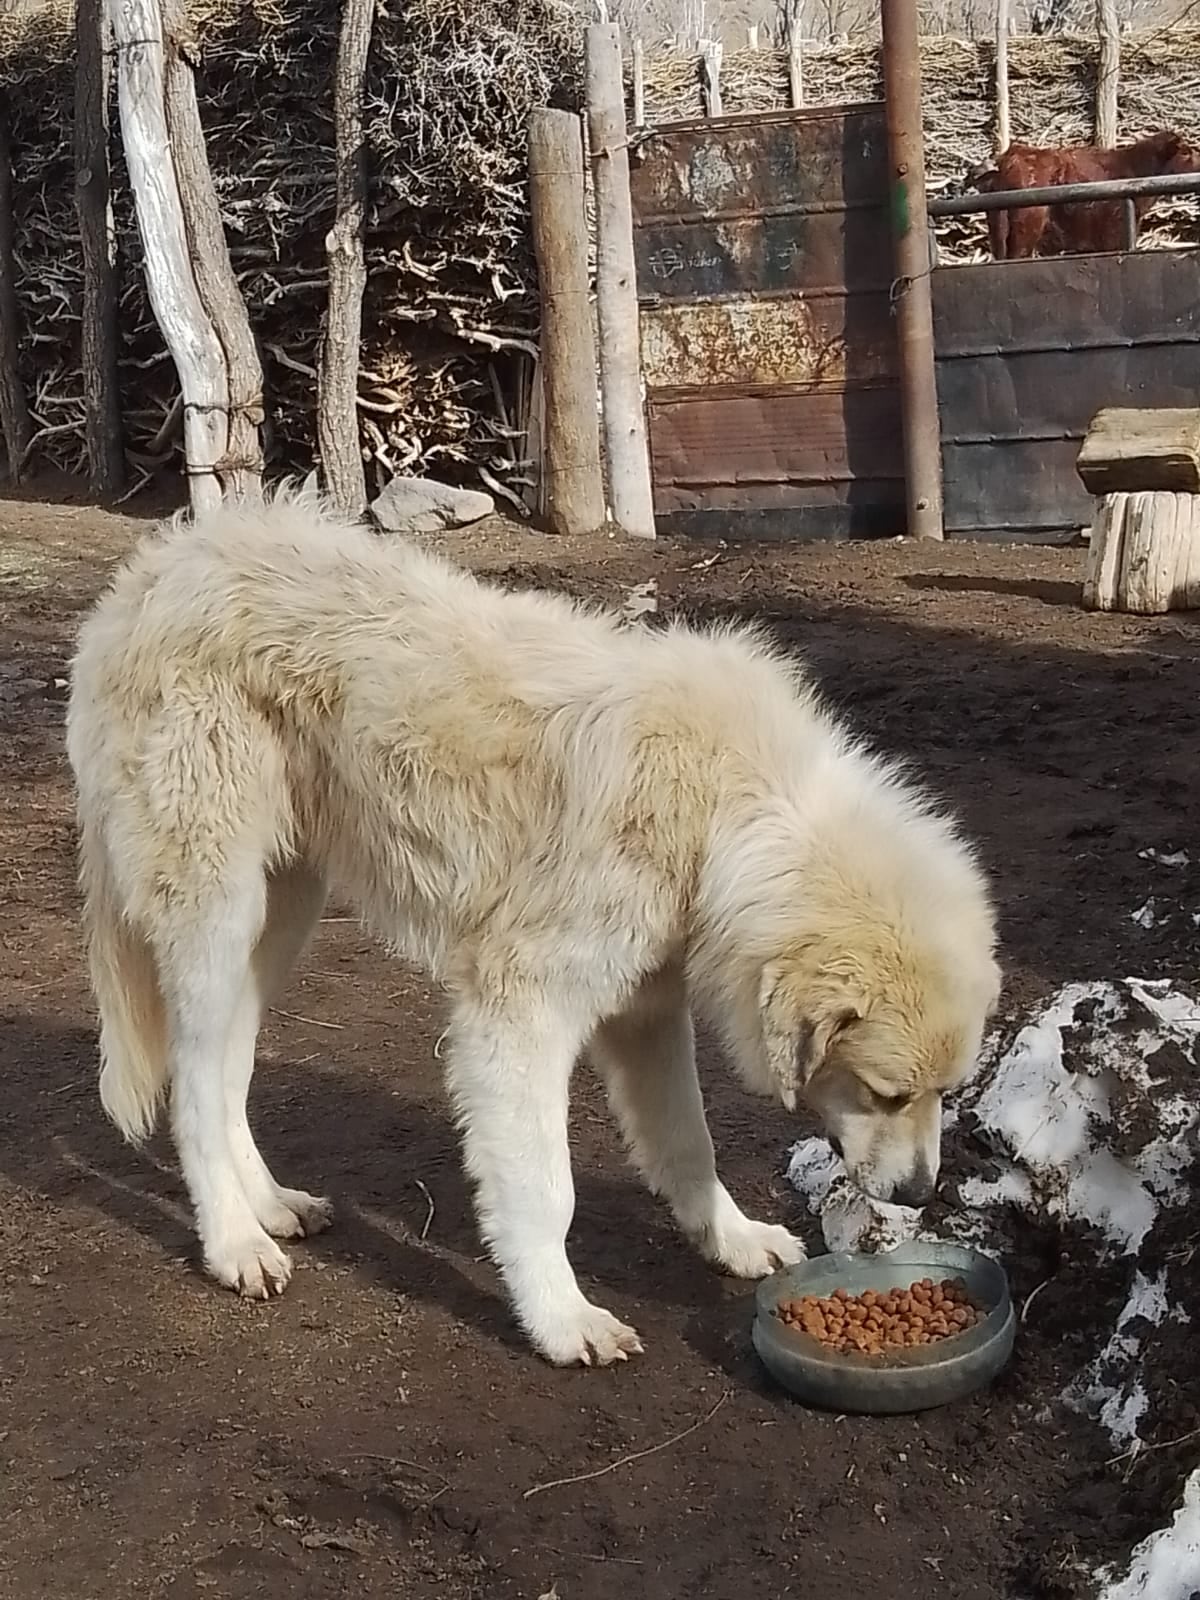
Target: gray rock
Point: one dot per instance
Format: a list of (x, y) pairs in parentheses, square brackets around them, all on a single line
[(422, 505)]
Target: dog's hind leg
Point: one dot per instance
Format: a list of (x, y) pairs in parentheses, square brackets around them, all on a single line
[(646, 1057), (508, 1075), (203, 962), (295, 898)]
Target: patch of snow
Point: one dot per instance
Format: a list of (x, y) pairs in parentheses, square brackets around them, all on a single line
[(1109, 1387), (850, 1220), (1166, 1565), (1173, 858), (1148, 915)]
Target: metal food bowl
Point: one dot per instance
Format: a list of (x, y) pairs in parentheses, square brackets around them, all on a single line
[(899, 1380)]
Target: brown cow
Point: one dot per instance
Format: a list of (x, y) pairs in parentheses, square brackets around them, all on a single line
[(1080, 228)]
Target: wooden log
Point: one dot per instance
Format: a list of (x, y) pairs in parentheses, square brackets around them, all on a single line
[(242, 467), (1108, 76), (15, 421), (795, 59), (1144, 556), (100, 336), (630, 491), (337, 383), (573, 485), (712, 52), (174, 297), (1003, 123), (1126, 450)]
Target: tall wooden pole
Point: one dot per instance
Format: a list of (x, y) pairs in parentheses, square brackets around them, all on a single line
[(100, 338), (337, 383), (573, 485), (220, 293), (630, 492), (1003, 107), (912, 297), (174, 297), (15, 421), (1108, 75)]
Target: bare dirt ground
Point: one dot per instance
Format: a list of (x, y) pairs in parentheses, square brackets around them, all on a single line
[(377, 1431)]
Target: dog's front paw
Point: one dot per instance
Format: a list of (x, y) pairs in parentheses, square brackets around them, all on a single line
[(749, 1249), (588, 1336), (254, 1266)]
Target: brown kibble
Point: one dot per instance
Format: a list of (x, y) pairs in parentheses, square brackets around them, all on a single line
[(879, 1321)]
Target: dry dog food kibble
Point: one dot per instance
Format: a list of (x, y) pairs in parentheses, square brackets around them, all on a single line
[(877, 1321)]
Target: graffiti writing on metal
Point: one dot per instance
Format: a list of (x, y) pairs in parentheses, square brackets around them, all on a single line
[(670, 261)]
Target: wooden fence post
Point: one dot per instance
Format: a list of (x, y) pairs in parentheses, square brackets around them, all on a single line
[(1003, 130), (15, 421), (93, 206), (241, 470), (337, 385), (630, 492), (174, 297), (573, 486), (1108, 73), (711, 53), (795, 50), (912, 298), (639, 83)]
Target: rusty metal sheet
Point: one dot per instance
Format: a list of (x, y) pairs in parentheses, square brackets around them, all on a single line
[(820, 342), (1028, 352), (827, 159), (763, 252), (815, 251)]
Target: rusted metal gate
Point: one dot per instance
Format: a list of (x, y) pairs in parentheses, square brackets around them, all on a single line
[(1028, 352), (764, 262)]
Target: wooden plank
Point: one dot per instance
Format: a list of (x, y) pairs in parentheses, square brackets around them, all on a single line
[(1141, 449), (572, 484)]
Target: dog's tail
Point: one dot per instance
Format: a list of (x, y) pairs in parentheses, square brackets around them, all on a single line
[(133, 1039)]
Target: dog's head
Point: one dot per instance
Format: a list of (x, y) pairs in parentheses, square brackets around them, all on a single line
[(872, 1037)]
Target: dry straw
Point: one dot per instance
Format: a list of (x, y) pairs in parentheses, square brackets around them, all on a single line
[(451, 314)]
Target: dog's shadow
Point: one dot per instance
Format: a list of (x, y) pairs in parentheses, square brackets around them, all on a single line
[(390, 1158)]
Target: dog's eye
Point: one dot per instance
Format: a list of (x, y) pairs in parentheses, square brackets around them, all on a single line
[(894, 1102)]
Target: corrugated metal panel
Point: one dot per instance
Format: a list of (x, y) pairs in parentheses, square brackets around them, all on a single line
[(1028, 352), (764, 268)]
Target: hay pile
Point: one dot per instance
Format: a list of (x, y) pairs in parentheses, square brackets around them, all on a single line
[(1053, 91), (451, 315)]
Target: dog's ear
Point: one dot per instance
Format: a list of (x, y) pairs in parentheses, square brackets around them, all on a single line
[(798, 1033)]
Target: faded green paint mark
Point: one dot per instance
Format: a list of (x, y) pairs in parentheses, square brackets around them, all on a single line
[(901, 222)]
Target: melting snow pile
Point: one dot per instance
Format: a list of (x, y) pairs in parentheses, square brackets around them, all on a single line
[(1080, 1125), (1076, 1119)]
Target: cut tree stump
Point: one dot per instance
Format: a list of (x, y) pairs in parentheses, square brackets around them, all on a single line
[(1144, 555), (1144, 468)]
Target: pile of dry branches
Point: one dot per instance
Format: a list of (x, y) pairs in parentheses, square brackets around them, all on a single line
[(450, 317), (1053, 87)]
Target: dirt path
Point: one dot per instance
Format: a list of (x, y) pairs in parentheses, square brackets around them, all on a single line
[(374, 1432)]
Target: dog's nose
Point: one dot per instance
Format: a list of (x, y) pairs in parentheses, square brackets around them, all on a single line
[(916, 1191)]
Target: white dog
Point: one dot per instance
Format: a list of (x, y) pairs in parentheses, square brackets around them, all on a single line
[(580, 828)]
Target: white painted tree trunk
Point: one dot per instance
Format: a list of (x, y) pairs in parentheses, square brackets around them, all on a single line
[(174, 297), (630, 492)]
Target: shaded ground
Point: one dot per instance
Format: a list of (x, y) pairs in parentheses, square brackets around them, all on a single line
[(375, 1432)]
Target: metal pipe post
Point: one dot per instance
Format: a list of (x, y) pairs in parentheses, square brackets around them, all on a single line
[(912, 297)]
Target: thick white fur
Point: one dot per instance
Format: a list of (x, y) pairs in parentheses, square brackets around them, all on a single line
[(583, 830)]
